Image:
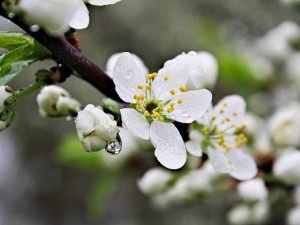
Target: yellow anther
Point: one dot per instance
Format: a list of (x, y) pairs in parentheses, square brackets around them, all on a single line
[(234, 113), (238, 145), (215, 126), (222, 136), (142, 97), (135, 96), (221, 111), (139, 107), (229, 162), (213, 118), (227, 148), (146, 113), (244, 139), (223, 121), (140, 86), (155, 114), (237, 128), (180, 101), (138, 101), (221, 143), (153, 75), (204, 130), (172, 91), (237, 138), (160, 118), (166, 78), (148, 87), (149, 76), (244, 126), (172, 104), (169, 110), (227, 119), (138, 98), (161, 105), (225, 104), (182, 88)]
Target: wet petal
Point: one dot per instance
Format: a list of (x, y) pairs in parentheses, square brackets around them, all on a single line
[(219, 160), (230, 111), (127, 76), (170, 150), (103, 2), (80, 18), (193, 105), (135, 123)]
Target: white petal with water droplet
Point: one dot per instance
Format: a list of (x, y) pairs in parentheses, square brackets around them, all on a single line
[(194, 105), (135, 123), (170, 150), (127, 76)]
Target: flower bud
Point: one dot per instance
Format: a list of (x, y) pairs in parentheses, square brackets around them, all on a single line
[(52, 15), (56, 101), (253, 190), (287, 166), (7, 106), (293, 217), (95, 128), (239, 215)]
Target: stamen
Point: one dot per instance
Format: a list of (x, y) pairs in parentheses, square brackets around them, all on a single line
[(227, 119), (140, 86), (161, 105), (222, 111), (154, 75), (166, 78), (146, 113), (238, 145), (227, 148), (135, 96), (229, 162), (234, 113), (182, 88), (180, 101), (148, 87), (161, 119), (244, 126), (225, 104), (213, 118), (172, 92), (149, 76), (142, 97), (172, 104), (204, 130)]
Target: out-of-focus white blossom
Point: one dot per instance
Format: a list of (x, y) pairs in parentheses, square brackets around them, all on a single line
[(220, 128), (239, 215), (277, 43), (158, 97), (285, 125), (95, 128), (56, 101), (52, 15), (292, 68), (290, 2), (253, 190), (293, 216), (287, 166), (154, 181)]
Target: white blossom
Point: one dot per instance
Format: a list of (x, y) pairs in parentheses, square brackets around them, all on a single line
[(287, 166), (80, 18), (253, 190), (56, 101), (284, 125), (156, 99), (220, 132), (154, 181), (293, 216), (239, 215), (52, 15), (95, 128)]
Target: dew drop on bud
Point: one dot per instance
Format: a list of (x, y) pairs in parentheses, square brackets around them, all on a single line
[(11, 15), (34, 28), (114, 147)]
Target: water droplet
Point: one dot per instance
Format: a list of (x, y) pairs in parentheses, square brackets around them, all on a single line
[(192, 53), (34, 28), (185, 113), (114, 147), (68, 118), (11, 15), (129, 74), (194, 71)]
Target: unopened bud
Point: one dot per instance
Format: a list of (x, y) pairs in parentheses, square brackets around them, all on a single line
[(95, 128)]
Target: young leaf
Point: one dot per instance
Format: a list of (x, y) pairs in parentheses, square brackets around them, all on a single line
[(13, 40)]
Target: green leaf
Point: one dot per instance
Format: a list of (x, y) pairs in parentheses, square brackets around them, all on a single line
[(13, 40), (112, 107), (71, 153), (100, 194), (15, 61)]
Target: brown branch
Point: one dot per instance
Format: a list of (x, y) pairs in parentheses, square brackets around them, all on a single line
[(70, 57)]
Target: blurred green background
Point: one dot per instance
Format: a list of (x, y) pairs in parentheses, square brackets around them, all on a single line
[(44, 180)]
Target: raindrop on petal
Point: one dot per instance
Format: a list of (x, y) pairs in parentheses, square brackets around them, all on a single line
[(114, 147), (34, 28)]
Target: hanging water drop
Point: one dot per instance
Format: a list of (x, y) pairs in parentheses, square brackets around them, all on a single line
[(114, 147), (11, 15)]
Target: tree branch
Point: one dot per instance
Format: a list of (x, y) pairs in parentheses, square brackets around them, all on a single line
[(71, 57)]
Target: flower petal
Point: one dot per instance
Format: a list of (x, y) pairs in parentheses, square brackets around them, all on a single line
[(219, 160), (103, 2), (80, 18), (127, 76), (230, 111), (170, 150), (112, 61), (245, 165), (194, 105), (193, 146), (135, 123)]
